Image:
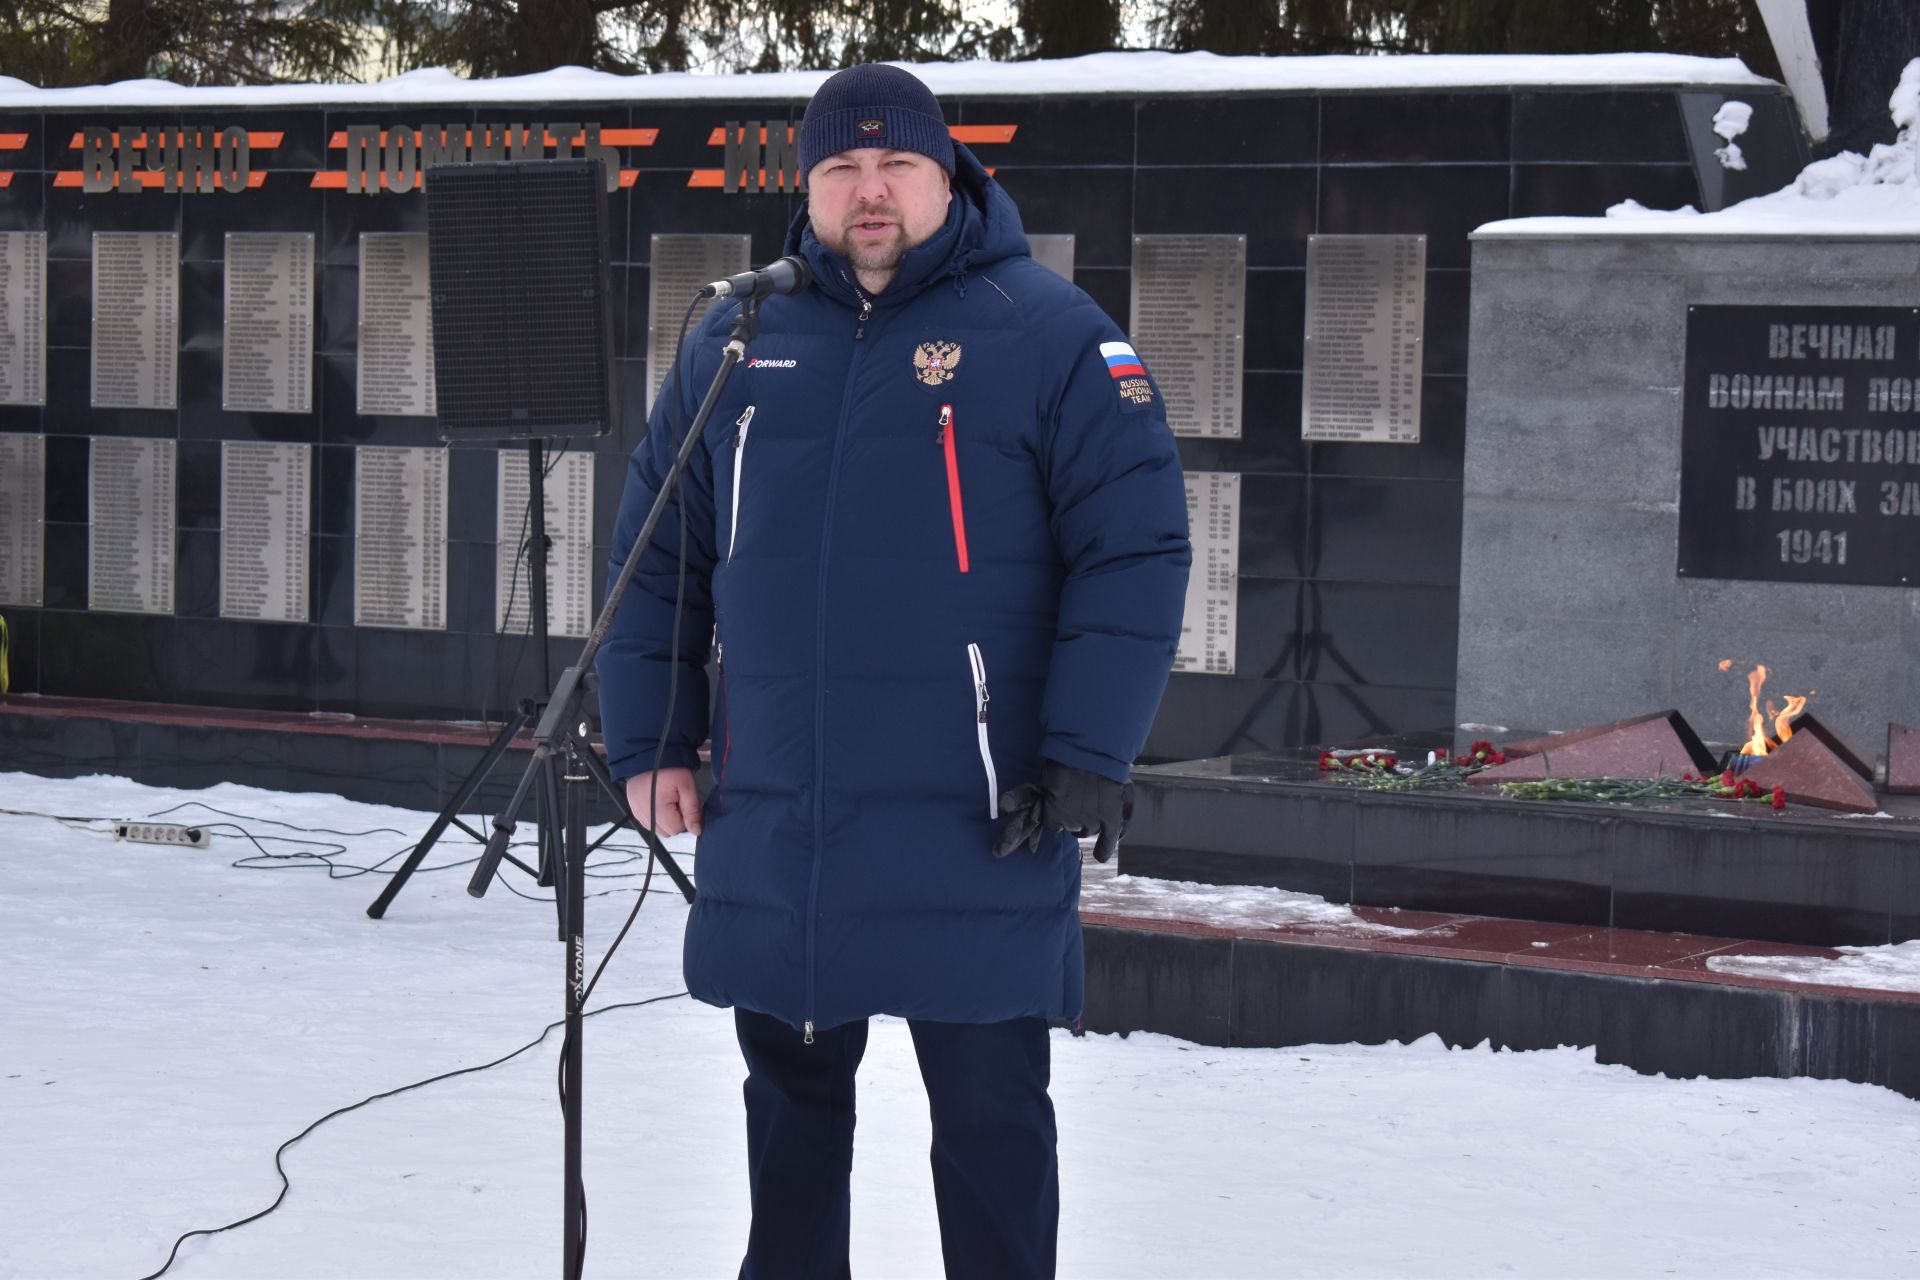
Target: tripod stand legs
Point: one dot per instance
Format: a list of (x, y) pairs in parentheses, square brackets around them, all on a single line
[(548, 804), (450, 814)]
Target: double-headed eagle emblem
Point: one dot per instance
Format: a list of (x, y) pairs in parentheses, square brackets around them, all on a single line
[(934, 362)]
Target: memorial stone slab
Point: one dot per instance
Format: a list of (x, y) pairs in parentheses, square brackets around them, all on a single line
[(1189, 322), (23, 523), (1366, 302), (1054, 252), (678, 265), (400, 538), (1209, 623), (130, 552), (1659, 745), (1800, 434), (268, 339), (265, 521), (1814, 767), (396, 326), (1903, 760), (23, 317), (136, 319)]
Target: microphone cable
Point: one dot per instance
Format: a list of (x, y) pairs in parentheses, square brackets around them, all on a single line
[(673, 668), (280, 1152), (670, 385)]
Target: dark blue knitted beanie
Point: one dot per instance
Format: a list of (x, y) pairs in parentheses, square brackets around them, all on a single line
[(874, 106)]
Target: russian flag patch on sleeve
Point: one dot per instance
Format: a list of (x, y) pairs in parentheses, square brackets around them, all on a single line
[(1129, 375)]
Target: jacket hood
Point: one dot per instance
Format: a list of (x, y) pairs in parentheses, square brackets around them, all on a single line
[(982, 228)]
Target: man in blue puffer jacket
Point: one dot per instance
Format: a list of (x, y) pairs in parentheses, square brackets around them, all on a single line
[(936, 539)]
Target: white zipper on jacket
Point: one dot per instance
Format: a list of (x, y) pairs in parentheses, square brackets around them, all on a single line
[(980, 700), (739, 464), (733, 530)]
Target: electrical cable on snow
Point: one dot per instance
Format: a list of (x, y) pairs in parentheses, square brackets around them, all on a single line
[(71, 821), (286, 1184), (310, 858), (267, 860)]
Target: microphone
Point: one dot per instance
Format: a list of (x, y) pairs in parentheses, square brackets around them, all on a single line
[(786, 275)]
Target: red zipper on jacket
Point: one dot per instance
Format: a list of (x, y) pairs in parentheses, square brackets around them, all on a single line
[(953, 486)]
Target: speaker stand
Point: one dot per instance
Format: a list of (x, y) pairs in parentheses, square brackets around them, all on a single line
[(547, 814)]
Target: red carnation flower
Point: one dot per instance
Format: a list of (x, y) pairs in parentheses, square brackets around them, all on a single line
[(1779, 797)]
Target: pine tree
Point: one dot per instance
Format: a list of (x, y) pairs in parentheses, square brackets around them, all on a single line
[(509, 37), (1707, 27), (1067, 28), (68, 42)]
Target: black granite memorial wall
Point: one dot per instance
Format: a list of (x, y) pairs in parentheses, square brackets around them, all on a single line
[(1347, 580)]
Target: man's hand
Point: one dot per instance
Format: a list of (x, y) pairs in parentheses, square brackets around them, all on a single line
[(678, 797), (1066, 799)]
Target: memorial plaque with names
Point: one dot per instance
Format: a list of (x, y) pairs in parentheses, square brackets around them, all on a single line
[(23, 317), (23, 519), (265, 520), (400, 538), (569, 503), (1054, 253), (1189, 323), (396, 326), (1366, 307), (1800, 445), (136, 319), (1207, 628), (678, 266), (131, 513), (268, 363)]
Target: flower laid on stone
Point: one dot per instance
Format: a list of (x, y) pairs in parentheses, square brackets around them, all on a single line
[(1719, 786), (1360, 761), (1381, 771)]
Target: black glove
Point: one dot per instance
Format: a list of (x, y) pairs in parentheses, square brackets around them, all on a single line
[(1065, 799)]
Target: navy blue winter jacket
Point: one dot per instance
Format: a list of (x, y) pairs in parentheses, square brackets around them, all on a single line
[(933, 536)]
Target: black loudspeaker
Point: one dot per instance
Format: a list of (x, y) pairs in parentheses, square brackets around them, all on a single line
[(522, 320)]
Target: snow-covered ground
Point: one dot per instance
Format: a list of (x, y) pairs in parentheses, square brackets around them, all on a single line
[(168, 1020)]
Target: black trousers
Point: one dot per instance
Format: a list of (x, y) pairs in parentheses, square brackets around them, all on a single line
[(996, 1182)]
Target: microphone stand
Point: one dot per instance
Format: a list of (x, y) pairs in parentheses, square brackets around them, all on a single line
[(562, 732)]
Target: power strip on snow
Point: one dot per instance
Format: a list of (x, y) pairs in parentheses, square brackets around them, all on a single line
[(161, 833)]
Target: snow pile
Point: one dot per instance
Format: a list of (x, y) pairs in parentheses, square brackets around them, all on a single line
[(1224, 906), (1729, 122), (1096, 73), (1894, 968), (1847, 194)]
